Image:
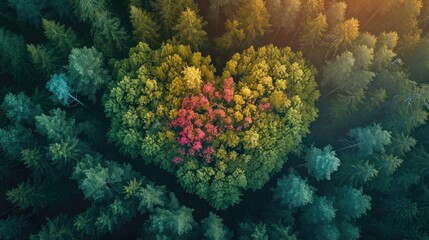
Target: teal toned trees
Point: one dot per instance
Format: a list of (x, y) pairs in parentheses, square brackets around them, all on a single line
[(85, 71), (351, 202), (214, 229), (293, 191), (28, 11), (20, 108), (321, 163), (13, 54), (369, 139), (60, 227), (59, 87), (55, 126), (320, 211), (14, 227)]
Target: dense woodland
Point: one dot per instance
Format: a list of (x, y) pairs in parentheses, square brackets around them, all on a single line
[(214, 119)]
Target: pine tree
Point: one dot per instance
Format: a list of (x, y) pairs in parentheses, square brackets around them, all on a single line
[(59, 228), (352, 202), (14, 227), (87, 10), (55, 126), (214, 229), (59, 87), (342, 35), (151, 197), (369, 139), (13, 54), (85, 71), (321, 211), (233, 38), (36, 195), (336, 13), (28, 11), (61, 38), (109, 36), (14, 139), (189, 29), (313, 33), (43, 59), (321, 163), (253, 18), (176, 222), (355, 171), (215, 11), (293, 191), (20, 108), (284, 13), (145, 29), (255, 231), (337, 71), (169, 11)]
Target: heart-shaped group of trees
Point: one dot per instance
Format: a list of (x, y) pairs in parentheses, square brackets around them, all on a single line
[(218, 135)]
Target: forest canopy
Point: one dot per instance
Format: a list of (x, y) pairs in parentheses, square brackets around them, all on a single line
[(218, 119)]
